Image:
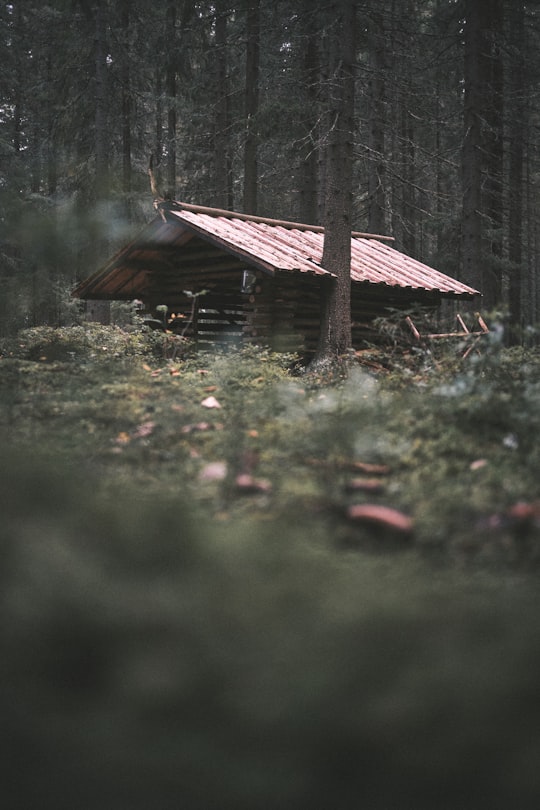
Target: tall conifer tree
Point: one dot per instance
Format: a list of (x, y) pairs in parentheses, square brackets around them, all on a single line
[(335, 336)]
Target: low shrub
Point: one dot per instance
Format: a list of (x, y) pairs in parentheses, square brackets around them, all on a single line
[(90, 342)]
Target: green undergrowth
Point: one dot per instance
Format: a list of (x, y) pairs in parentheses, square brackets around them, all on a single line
[(450, 443), (172, 637)]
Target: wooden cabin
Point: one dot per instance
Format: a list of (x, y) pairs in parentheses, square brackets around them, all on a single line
[(225, 276)]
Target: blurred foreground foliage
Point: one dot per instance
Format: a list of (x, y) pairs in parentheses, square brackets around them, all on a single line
[(168, 640)]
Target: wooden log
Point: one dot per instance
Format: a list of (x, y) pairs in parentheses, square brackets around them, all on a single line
[(260, 320), (484, 327), (466, 334), (170, 205), (413, 328), (461, 322)]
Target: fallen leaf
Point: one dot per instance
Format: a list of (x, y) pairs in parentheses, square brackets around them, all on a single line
[(210, 402), (144, 430), (215, 471), (352, 466), (364, 485), (381, 515), (370, 469), (248, 484), (478, 464), (210, 388), (199, 426), (524, 511), (123, 438)]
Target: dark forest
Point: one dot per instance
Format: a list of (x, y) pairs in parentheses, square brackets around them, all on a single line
[(230, 102)]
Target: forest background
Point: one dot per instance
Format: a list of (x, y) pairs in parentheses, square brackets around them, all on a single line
[(228, 99)]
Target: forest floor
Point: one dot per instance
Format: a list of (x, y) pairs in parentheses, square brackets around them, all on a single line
[(384, 523), (448, 444)]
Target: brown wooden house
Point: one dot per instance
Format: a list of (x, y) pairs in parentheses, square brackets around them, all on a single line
[(229, 276)]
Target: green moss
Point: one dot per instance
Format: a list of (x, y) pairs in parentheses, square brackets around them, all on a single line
[(456, 440)]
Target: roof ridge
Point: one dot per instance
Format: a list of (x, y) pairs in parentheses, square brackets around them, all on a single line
[(176, 205)]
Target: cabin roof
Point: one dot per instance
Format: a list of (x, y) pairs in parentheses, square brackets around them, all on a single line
[(272, 246)]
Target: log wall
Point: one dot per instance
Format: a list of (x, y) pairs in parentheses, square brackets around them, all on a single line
[(282, 311)]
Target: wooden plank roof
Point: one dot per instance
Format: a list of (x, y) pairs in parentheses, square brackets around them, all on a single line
[(273, 246)]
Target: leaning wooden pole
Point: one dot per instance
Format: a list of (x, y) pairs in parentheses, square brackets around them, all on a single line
[(175, 205)]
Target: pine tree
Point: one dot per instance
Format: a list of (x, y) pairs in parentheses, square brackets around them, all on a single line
[(335, 335), (251, 109)]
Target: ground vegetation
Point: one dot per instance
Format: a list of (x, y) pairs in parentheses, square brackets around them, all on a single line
[(229, 582)]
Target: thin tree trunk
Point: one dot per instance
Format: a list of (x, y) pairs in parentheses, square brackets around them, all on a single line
[(531, 297), (18, 93), (518, 127), (101, 138), (251, 107), (494, 152), (471, 234), (308, 148), (482, 157), (377, 123), (126, 100), (159, 118), (392, 140), (222, 152), (439, 208), (171, 99), (408, 195), (51, 144)]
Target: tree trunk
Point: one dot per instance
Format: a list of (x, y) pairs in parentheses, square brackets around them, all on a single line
[(438, 144), (101, 135), (222, 155), (335, 335), (494, 152), (483, 149), (308, 147), (518, 127), (18, 78), (51, 144), (125, 25), (377, 123), (409, 208), (471, 233), (158, 146), (170, 36), (251, 107)]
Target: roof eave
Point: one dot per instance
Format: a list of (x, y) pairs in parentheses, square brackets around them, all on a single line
[(454, 294)]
